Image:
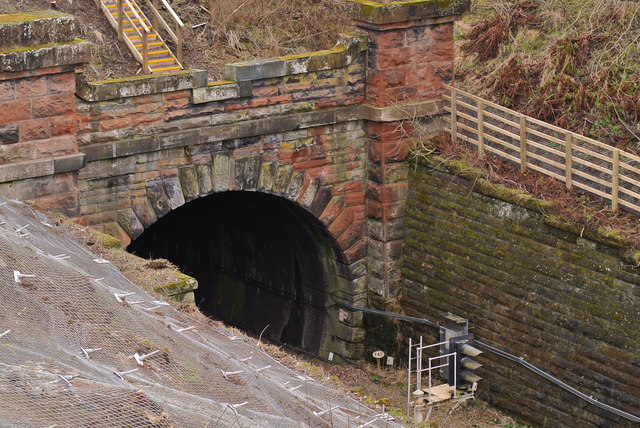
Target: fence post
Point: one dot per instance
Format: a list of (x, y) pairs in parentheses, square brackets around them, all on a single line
[(480, 127), (454, 115), (615, 173), (523, 144), (120, 22), (568, 143)]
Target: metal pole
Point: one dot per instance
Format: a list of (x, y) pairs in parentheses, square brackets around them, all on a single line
[(419, 367), (409, 380)]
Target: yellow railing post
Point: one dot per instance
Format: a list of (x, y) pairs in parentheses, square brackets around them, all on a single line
[(145, 51), (568, 142), (480, 105), (120, 21), (523, 143), (615, 183), (454, 115)]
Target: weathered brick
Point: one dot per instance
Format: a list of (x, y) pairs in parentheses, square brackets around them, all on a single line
[(13, 111), (61, 125), (9, 134), (35, 129), (31, 87), (7, 90), (189, 182), (53, 105), (56, 146), (61, 83)]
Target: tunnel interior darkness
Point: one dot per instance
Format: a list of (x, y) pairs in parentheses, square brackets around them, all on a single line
[(260, 260)]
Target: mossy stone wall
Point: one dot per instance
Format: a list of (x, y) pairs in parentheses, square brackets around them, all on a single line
[(567, 304)]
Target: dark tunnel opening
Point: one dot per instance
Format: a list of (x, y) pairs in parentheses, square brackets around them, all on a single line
[(260, 260)]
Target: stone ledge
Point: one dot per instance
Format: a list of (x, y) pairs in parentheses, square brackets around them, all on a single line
[(342, 54), (36, 28), (376, 13), (399, 112), (243, 129), (41, 167), (139, 85), (220, 91), (76, 51)]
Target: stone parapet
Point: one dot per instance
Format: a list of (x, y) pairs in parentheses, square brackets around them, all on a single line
[(402, 12), (343, 54), (36, 28), (128, 87)]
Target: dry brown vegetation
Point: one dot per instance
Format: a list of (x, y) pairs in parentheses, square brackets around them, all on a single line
[(575, 64), (216, 31)]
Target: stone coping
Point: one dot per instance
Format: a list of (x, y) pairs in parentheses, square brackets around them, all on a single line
[(36, 28), (76, 51), (373, 12), (239, 75), (139, 85), (341, 55), (41, 167)]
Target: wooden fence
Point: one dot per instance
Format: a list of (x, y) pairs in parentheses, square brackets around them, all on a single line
[(594, 167)]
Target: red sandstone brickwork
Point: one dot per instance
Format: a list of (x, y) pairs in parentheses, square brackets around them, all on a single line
[(38, 121), (320, 163), (37, 114), (407, 63)]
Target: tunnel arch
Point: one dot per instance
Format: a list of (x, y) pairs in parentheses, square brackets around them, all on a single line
[(263, 262)]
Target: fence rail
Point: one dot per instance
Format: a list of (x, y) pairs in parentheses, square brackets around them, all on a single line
[(592, 166)]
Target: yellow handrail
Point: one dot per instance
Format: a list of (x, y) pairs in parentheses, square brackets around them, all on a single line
[(158, 20), (144, 34)]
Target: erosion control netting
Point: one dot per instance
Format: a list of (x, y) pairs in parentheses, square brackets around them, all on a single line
[(71, 325)]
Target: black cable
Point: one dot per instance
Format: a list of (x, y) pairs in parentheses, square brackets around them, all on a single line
[(556, 381), (507, 356), (388, 314)]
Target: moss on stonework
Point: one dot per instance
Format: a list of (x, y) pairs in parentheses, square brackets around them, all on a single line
[(136, 78), (220, 83), (17, 18), (107, 240), (45, 46), (177, 285)]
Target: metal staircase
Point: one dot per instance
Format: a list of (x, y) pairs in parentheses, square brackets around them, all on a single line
[(141, 36)]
